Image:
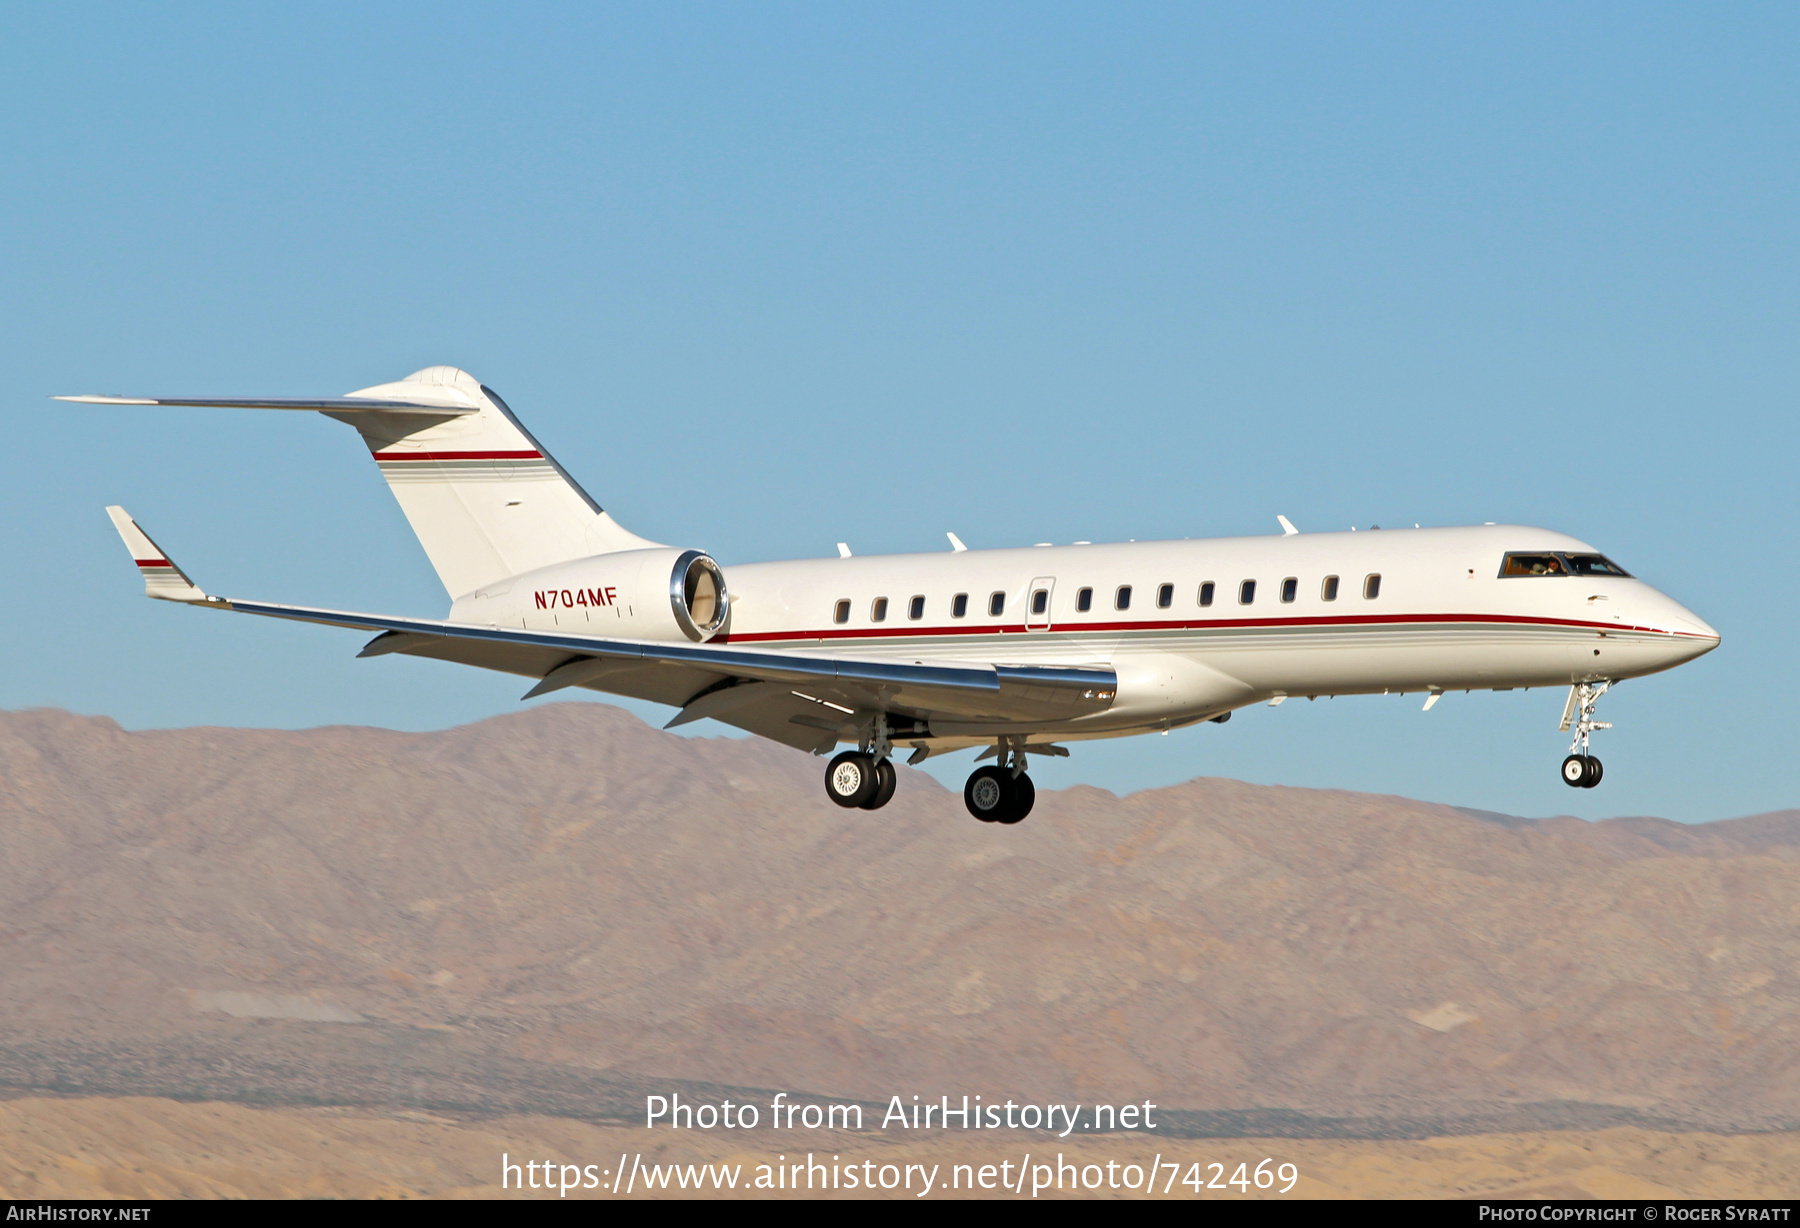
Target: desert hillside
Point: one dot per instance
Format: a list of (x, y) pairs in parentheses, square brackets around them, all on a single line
[(548, 912)]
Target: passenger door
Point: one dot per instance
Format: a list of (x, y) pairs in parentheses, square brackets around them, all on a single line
[(1038, 602)]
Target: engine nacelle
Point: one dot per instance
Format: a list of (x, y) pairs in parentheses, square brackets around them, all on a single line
[(660, 594)]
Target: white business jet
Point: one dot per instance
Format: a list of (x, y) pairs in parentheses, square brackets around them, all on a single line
[(1014, 651)]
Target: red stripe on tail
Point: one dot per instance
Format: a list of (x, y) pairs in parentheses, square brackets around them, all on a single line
[(456, 456)]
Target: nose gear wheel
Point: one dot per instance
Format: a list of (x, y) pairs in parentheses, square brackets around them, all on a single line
[(1581, 771)]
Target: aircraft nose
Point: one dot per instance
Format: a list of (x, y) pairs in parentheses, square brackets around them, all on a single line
[(1695, 636)]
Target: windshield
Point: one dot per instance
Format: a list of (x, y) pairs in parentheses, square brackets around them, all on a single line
[(1594, 565), (1559, 564)]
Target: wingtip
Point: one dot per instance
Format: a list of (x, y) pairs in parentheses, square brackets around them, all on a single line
[(162, 578)]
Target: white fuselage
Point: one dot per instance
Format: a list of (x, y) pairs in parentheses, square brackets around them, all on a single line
[(1440, 617)]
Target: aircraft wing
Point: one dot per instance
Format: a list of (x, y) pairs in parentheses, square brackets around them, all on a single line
[(803, 699)]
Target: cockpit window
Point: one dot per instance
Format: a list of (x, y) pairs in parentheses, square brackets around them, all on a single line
[(1533, 565), (1594, 565), (1560, 565)]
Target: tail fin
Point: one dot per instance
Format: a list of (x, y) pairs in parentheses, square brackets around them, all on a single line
[(485, 499)]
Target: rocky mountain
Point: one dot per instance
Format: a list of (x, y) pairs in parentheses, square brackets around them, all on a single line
[(551, 910)]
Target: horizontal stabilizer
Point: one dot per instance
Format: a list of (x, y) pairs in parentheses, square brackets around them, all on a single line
[(485, 498), (162, 579), (331, 405)]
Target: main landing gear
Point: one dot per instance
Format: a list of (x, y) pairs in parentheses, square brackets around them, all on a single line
[(1582, 770), (856, 781), (1001, 792), (864, 779)]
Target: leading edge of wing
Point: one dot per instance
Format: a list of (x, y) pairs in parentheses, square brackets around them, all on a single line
[(774, 666), (335, 405)]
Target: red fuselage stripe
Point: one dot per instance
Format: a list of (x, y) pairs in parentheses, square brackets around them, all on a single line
[(1348, 620), (455, 456)]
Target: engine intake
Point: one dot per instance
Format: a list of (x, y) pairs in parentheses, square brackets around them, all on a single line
[(697, 595)]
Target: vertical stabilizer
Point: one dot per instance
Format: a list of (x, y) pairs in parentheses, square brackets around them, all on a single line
[(485, 500)]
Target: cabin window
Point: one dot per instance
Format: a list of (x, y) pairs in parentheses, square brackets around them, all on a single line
[(1290, 589), (840, 613), (1371, 587), (1040, 601), (996, 605), (1247, 592), (1165, 596), (915, 610), (878, 611), (1206, 593), (1122, 598), (1328, 590), (959, 605), (1084, 600)]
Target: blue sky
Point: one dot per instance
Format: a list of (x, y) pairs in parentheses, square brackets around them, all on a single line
[(770, 277)]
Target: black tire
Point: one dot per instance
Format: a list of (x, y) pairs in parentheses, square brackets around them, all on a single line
[(1575, 771), (851, 779), (886, 778), (1595, 772), (989, 794), (1024, 796)]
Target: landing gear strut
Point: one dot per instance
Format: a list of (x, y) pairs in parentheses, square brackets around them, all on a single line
[(1001, 792), (1582, 770)]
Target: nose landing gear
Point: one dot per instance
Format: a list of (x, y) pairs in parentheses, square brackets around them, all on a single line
[(1582, 770)]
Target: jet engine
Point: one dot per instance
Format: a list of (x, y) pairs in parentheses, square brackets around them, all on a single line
[(659, 594)]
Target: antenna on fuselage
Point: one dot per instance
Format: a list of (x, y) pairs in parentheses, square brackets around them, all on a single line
[(1287, 526)]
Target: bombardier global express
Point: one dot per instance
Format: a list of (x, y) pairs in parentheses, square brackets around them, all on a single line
[(1016, 652)]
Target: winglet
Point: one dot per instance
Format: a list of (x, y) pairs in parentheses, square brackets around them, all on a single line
[(162, 579)]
